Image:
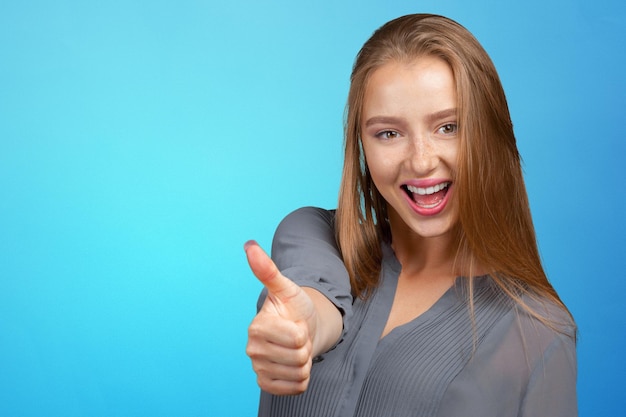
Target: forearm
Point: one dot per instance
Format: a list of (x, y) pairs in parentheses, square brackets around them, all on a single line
[(329, 322)]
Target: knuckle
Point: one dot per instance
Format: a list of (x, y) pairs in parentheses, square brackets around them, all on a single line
[(263, 383), (303, 374), (258, 370), (253, 348), (254, 330), (251, 351), (301, 387), (300, 338), (302, 357)]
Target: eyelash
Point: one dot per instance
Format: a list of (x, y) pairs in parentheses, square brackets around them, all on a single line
[(384, 134), (454, 127)]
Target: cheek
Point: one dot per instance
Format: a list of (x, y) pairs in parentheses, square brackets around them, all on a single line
[(453, 152), (380, 166), (448, 155)]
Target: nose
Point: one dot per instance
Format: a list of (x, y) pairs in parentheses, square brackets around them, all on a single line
[(421, 157)]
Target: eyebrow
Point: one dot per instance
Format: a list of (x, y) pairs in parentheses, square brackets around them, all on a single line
[(382, 120), (433, 117), (443, 114)]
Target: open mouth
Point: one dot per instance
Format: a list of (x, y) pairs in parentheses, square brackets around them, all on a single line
[(427, 197)]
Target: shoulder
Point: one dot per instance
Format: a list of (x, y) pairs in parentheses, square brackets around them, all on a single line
[(531, 325), (311, 222), (308, 215), (538, 312), (530, 334), (533, 312), (306, 234)]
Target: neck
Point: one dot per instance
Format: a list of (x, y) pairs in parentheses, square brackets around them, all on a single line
[(419, 254), (439, 255)]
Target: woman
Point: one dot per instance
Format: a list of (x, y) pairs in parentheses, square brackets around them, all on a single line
[(432, 300)]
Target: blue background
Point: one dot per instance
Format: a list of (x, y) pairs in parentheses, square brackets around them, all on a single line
[(142, 143)]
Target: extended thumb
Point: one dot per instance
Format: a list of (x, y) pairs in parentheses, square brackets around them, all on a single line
[(266, 271)]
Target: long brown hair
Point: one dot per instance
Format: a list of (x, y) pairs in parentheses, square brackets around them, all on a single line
[(495, 227)]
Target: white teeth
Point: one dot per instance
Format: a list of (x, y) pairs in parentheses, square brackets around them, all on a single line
[(428, 190)]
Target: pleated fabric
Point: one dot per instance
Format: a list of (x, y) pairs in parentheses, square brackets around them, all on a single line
[(407, 372), (504, 364)]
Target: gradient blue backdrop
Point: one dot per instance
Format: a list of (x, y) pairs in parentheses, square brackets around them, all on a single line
[(142, 143)]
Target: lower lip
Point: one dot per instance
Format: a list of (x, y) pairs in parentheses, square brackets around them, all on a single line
[(430, 211)]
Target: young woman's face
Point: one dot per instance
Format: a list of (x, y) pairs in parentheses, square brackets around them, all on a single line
[(409, 136)]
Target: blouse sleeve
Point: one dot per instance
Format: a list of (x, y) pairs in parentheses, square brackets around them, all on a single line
[(304, 250), (552, 384)]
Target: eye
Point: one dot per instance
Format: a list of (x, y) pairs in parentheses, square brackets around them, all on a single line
[(448, 129), (387, 134)]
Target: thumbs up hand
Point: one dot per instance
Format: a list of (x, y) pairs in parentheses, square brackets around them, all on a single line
[(281, 337)]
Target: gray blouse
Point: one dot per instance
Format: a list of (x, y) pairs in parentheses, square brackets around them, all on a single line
[(507, 363)]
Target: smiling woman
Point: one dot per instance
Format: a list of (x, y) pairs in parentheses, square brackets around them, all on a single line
[(411, 146), (432, 299)]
